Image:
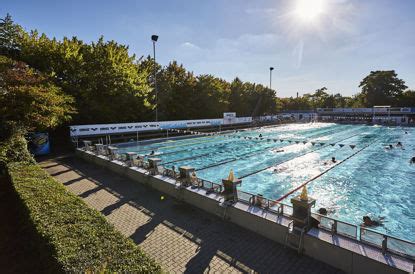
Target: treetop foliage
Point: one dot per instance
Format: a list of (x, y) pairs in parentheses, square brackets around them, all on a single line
[(29, 100), (9, 36), (382, 88)]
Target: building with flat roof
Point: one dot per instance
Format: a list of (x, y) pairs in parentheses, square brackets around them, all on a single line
[(375, 114)]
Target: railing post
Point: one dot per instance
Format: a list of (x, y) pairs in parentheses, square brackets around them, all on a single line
[(87, 145), (334, 227), (384, 244), (280, 210)]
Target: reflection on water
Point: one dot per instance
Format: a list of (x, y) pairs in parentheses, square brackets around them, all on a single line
[(375, 181)]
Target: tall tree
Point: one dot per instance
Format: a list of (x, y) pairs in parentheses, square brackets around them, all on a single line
[(237, 98), (211, 96), (9, 36), (108, 84), (112, 89), (321, 98), (176, 91), (382, 87), (261, 99), (29, 100)]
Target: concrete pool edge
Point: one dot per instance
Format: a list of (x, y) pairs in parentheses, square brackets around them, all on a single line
[(341, 252)]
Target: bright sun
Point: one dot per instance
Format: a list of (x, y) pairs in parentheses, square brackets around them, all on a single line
[(309, 10)]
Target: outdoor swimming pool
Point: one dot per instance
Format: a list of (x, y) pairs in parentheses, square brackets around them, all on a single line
[(366, 179)]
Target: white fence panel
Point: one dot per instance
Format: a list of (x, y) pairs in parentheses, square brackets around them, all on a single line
[(103, 129)]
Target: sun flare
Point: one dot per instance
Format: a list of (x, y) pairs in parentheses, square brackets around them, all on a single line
[(309, 10)]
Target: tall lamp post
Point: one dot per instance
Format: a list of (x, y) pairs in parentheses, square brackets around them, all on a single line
[(270, 78), (154, 38)]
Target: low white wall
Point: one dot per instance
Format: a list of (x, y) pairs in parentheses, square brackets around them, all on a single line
[(338, 257), (104, 129)]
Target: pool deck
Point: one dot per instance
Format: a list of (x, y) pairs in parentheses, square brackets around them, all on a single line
[(180, 237), (342, 252)]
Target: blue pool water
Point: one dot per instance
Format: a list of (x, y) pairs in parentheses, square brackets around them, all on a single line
[(371, 181)]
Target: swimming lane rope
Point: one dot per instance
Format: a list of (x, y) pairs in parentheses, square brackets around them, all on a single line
[(319, 175), (301, 155)]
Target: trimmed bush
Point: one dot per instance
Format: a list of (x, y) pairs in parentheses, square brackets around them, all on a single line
[(14, 149), (77, 237)]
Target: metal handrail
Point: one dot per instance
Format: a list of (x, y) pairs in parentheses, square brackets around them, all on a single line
[(280, 209), (267, 204), (290, 224), (384, 243), (213, 188), (334, 227)]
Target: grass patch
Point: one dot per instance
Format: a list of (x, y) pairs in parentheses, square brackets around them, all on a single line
[(75, 236)]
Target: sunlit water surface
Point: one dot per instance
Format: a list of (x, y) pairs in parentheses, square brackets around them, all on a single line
[(373, 181)]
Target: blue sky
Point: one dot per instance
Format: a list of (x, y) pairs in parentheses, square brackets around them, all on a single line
[(228, 38)]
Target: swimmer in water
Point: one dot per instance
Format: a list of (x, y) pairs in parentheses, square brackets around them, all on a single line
[(412, 161), (322, 211), (260, 135), (399, 144), (389, 147), (152, 152), (326, 211), (367, 221), (333, 160)]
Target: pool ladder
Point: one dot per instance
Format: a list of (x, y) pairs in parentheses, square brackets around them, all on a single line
[(294, 237)]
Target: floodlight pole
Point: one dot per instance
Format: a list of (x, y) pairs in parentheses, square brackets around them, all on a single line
[(270, 78), (154, 38)]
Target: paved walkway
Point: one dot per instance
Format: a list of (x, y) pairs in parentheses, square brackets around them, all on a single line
[(180, 237)]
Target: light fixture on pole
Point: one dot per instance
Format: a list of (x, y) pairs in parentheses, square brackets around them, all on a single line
[(154, 38), (270, 77)]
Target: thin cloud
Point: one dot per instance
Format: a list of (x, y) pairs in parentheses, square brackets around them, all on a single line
[(190, 45)]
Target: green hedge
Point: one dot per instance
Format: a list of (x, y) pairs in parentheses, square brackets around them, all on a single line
[(14, 149), (75, 236)]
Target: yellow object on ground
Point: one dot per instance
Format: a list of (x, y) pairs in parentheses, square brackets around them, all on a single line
[(304, 194), (231, 177)]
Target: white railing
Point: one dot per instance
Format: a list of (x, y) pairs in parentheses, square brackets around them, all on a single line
[(344, 110), (103, 129), (376, 110)]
